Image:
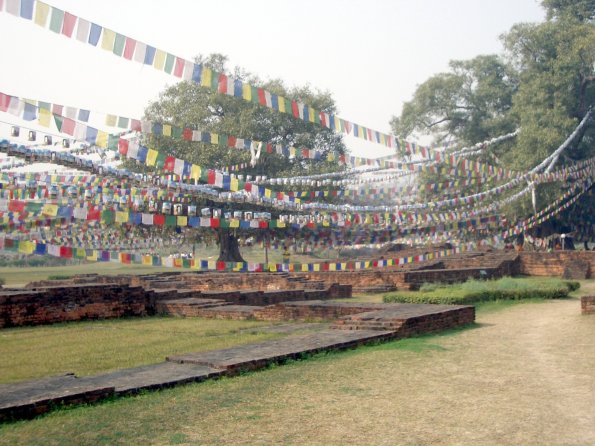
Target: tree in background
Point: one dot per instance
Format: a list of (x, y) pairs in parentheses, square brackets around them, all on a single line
[(187, 104), (544, 84)]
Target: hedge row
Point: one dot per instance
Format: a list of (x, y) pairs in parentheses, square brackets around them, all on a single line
[(456, 295)]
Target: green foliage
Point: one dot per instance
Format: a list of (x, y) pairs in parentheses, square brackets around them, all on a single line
[(474, 291), (544, 84), (470, 103), (187, 104), (59, 277)]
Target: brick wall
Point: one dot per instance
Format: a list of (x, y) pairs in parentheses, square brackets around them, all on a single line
[(555, 263), (61, 304), (588, 305)]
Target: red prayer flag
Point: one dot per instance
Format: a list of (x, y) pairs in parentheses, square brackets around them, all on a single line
[(215, 222), (16, 206), (66, 252), (93, 214), (129, 47), (68, 126), (179, 68), (187, 134), (123, 146), (231, 141), (261, 97), (222, 84), (57, 109), (323, 119), (68, 24), (294, 109), (211, 176), (135, 125), (170, 162), (4, 102), (159, 219)]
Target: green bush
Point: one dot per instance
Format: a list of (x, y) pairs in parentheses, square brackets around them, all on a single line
[(474, 291), (59, 277)]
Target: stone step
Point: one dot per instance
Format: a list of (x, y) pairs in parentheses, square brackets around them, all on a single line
[(254, 356)]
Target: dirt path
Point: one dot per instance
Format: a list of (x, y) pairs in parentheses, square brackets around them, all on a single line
[(538, 363)]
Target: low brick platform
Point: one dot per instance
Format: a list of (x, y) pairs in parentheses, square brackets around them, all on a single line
[(588, 305), (360, 324), (410, 319), (32, 398), (255, 356)]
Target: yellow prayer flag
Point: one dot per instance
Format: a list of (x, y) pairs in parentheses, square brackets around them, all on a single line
[(205, 79), (151, 157), (109, 38), (45, 117), (281, 224), (195, 172), (80, 253), (159, 61), (102, 139), (234, 184), (121, 217), (246, 91), (41, 13), (182, 220), (93, 256), (281, 102), (268, 193), (317, 267), (166, 130), (332, 267), (214, 138), (234, 223), (147, 260), (49, 210), (110, 120), (304, 267), (312, 115), (212, 264), (26, 247), (272, 267)]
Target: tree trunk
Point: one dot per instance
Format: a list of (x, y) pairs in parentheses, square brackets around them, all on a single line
[(229, 249)]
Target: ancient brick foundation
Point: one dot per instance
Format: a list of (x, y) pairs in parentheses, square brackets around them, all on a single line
[(569, 264), (74, 303), (588, 305), (38, 306)]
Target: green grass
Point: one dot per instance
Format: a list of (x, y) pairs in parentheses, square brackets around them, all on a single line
[(91, 347), (474, 291)]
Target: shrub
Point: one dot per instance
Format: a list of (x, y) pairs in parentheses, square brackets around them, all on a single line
[(59, 277), (474, 291)]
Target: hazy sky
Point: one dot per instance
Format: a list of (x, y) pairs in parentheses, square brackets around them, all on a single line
[(369, 54)]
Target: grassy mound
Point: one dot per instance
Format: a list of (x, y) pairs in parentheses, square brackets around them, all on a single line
[(473, 291)]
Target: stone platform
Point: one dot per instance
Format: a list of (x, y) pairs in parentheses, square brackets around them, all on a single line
[(357, 324)]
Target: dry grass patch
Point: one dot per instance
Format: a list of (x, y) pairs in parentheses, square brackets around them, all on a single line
[(91, 347)]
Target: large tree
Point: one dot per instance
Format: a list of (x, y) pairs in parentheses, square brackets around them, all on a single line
[(543, 84), (187, 104)]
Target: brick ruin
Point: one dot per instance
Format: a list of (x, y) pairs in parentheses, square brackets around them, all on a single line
[(243, 295)]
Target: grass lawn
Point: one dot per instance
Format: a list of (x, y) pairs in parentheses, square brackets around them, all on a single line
[(523, 375), (91, 347)]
